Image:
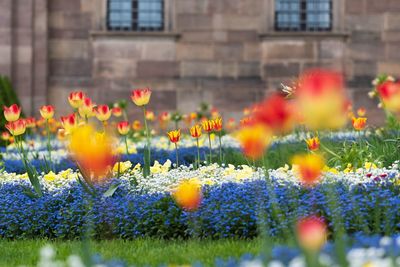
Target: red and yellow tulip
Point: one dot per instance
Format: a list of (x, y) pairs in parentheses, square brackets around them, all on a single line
[(103, 113), (123, 127), (359, 123), (17, 127), (87, 110), (208, 125), (12, 113), (195, 131), (389, 93), (69, 123), (47, 112), (117, 112), (174, 136), (75, 99), (141, 97), (313, 143)]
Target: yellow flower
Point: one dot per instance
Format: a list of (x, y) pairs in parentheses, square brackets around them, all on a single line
[(122, 166), (50, 177), (23, 176), (66, 174), (331, 170), (188, 194), (370, 165)]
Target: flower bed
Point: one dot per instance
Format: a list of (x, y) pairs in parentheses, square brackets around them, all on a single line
[(230, 207)]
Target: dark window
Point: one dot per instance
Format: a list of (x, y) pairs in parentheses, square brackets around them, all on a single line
[(303, 15), (135, 15)]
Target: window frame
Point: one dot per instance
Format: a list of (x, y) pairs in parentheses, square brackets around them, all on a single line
[(168, 21), (337, 23)]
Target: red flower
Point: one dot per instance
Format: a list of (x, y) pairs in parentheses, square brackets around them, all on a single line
[(123, 127), (311, 233)]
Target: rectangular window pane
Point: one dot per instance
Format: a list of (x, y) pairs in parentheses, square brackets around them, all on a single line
[(137, 15), (303, 15)]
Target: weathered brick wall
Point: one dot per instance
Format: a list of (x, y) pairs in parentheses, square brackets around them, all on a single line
[(218, 51)]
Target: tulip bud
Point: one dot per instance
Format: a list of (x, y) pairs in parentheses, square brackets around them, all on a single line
[(47, 112), (141, 97), (12, 113)]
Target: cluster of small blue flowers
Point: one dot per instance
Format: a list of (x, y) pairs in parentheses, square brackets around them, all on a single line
[(227, 210)]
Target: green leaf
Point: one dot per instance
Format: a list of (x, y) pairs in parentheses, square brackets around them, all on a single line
[(111, 190)]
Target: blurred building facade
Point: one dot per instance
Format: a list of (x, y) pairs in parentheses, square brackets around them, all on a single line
[(229, 53)]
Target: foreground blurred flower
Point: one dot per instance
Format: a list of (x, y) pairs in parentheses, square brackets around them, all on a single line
[(254, 140), (141, 97), (69, 123), (12, 113), (321, 100), (313, 143), (174, 137), (47, 112), (103, 113), (389, 93), (188, 194), (17, 127), (195, 132), (311, 233), (75, 99), (309, 167), (276, 113), (92, 151), (359, 123)]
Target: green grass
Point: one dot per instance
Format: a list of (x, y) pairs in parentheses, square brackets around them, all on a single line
[(139, 252)]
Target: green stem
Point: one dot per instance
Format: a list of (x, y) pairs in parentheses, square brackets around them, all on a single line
[(209, 143), (220, 148), (126, 145), (198, 153), (48, 139), (147, 155), (177, 157)]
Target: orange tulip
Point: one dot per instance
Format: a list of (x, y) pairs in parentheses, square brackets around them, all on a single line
[(123, 127), (92, 151), (208, 125), (310, 167), (276, 113), (174, 136), (69, 122), (103, 113), (136, 125), (86, 109), (117, 111), (311, 233), (47, 112), (359, 123), (195, 131), (5, 136), (218, 124), (12, 113), (321, 100), (361, 112), (389, 93), (254, 140), (313, 143), (75, 99), (17, 127), (141, 97), (188, 194)]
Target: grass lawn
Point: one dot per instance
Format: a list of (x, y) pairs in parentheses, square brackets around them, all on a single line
[(139, 252)]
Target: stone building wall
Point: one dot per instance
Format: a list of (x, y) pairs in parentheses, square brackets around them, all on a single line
[(224, 52)]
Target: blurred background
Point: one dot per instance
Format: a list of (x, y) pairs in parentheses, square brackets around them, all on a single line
[(229, 53)]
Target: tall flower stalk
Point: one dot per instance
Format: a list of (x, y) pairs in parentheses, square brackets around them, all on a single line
[(141, 98), (174, 137), (208, 127), (218, 129), (195, 132), (123, 129)]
